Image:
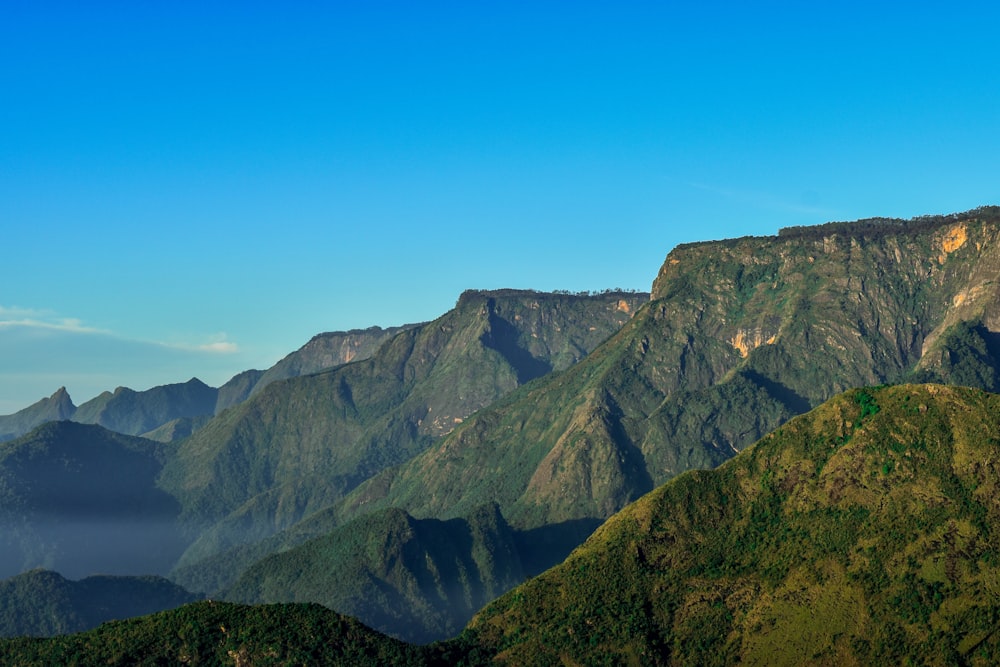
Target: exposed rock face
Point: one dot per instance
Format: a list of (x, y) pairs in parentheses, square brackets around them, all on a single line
[(739, 336)]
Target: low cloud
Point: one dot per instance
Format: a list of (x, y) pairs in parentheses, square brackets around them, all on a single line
[(224, 347)]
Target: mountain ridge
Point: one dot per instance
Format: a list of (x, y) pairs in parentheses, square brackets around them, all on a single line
[(862, 532)]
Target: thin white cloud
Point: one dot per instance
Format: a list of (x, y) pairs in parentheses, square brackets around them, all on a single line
[(39, 319), (221, 347), (28, 318), (218, 344)]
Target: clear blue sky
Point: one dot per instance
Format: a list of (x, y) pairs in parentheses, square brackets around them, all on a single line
[(196, 188)]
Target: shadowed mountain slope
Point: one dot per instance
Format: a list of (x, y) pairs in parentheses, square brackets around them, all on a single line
[(135, 412), (301, 443), (80, 499), (418, 580), (327, 350), (43, 603)]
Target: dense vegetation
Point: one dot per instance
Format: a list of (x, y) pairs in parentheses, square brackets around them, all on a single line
[(43, 603), (417, 579), (861, 533), (217, 633)]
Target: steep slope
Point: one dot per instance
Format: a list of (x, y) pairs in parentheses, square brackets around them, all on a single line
[(57, 407), (302, 443), (135, 412), (864, 532), (740, 336), (176, 429), (237, 389), (43, 603), (81, 499), (418, 580)]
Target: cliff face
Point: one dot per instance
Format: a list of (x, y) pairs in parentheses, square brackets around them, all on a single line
[(740, 336)]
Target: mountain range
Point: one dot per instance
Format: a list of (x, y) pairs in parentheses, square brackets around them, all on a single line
[(862, 532), (173, 411), (467, 454)]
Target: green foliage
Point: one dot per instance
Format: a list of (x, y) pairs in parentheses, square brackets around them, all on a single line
[(215, 633), (419, 580), (42, 603), (793, 552)]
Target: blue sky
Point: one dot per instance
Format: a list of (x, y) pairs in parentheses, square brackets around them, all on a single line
[(196, 188)]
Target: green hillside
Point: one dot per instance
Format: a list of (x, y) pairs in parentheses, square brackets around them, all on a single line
[(217, 633), (861, 533), (42, 603), (417, 579)]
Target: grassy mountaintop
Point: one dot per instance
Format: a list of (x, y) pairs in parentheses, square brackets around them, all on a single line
[(864, 532)]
